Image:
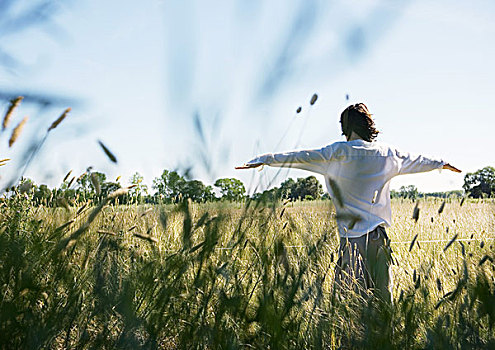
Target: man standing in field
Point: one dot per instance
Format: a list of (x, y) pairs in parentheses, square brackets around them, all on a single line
[(357, 174)]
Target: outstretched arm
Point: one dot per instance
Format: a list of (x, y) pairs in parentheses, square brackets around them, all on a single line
[(312, 160), (408, 163)]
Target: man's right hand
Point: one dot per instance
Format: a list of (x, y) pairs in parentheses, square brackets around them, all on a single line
[(451, 168), (249, 166)]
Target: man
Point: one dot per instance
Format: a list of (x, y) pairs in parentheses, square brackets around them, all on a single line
[(357, 174)]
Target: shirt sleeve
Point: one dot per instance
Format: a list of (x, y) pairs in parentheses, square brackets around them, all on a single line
[(411, 164), (312, 160)]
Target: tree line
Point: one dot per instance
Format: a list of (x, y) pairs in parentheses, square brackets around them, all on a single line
[(412, 192), (171, 187), (479, 184)]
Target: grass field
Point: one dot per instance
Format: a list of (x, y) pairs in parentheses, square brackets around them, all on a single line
[(224, 275)]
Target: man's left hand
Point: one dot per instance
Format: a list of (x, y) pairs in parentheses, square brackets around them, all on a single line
[(249, 166), (451, 168)]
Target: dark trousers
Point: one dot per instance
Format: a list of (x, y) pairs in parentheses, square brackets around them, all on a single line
[(364, 263)]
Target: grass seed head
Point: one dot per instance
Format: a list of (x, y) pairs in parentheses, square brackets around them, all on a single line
[(415, 215), (313, 99), (62, 202), (13, 105), (71, 182), (59, 119), (96, 183), (147, 211), (413, 241), (81, 176), (64, 225), (118, 193), (80, 210), (67, 176), (336, 192), (440, 210), (484, 259), (104, 232), (17, 131), (109, 154), (450, 242), (146, 237)]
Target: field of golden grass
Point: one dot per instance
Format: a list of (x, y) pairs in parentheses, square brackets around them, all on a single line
[(238, 275)]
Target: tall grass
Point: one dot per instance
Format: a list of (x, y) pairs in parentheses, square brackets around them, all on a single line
[(236, 276)]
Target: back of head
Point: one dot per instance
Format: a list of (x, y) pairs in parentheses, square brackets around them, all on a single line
[(357, 118)]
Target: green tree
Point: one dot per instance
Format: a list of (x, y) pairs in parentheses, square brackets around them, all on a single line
[(109, 187), (446, 194), (409, 191), (26, 186), (170, 185), (231, 189), (198, 192), (140, 191), (270, 195), (307, 188), (42, 195), (480, 183), (90, 184), (286, 188)]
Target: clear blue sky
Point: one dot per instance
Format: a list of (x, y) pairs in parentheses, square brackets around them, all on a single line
[(143, 70)]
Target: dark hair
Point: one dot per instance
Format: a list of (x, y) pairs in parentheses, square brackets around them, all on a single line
[(357, 118)]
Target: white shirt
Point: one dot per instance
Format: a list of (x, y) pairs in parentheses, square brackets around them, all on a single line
[(357, 174)]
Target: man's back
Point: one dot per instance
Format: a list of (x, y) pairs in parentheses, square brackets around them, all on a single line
[(361, 171)]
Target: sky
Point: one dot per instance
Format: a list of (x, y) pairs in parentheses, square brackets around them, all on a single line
[(207, 86)]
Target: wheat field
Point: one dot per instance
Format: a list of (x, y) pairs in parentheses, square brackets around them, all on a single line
[(238, 275)]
